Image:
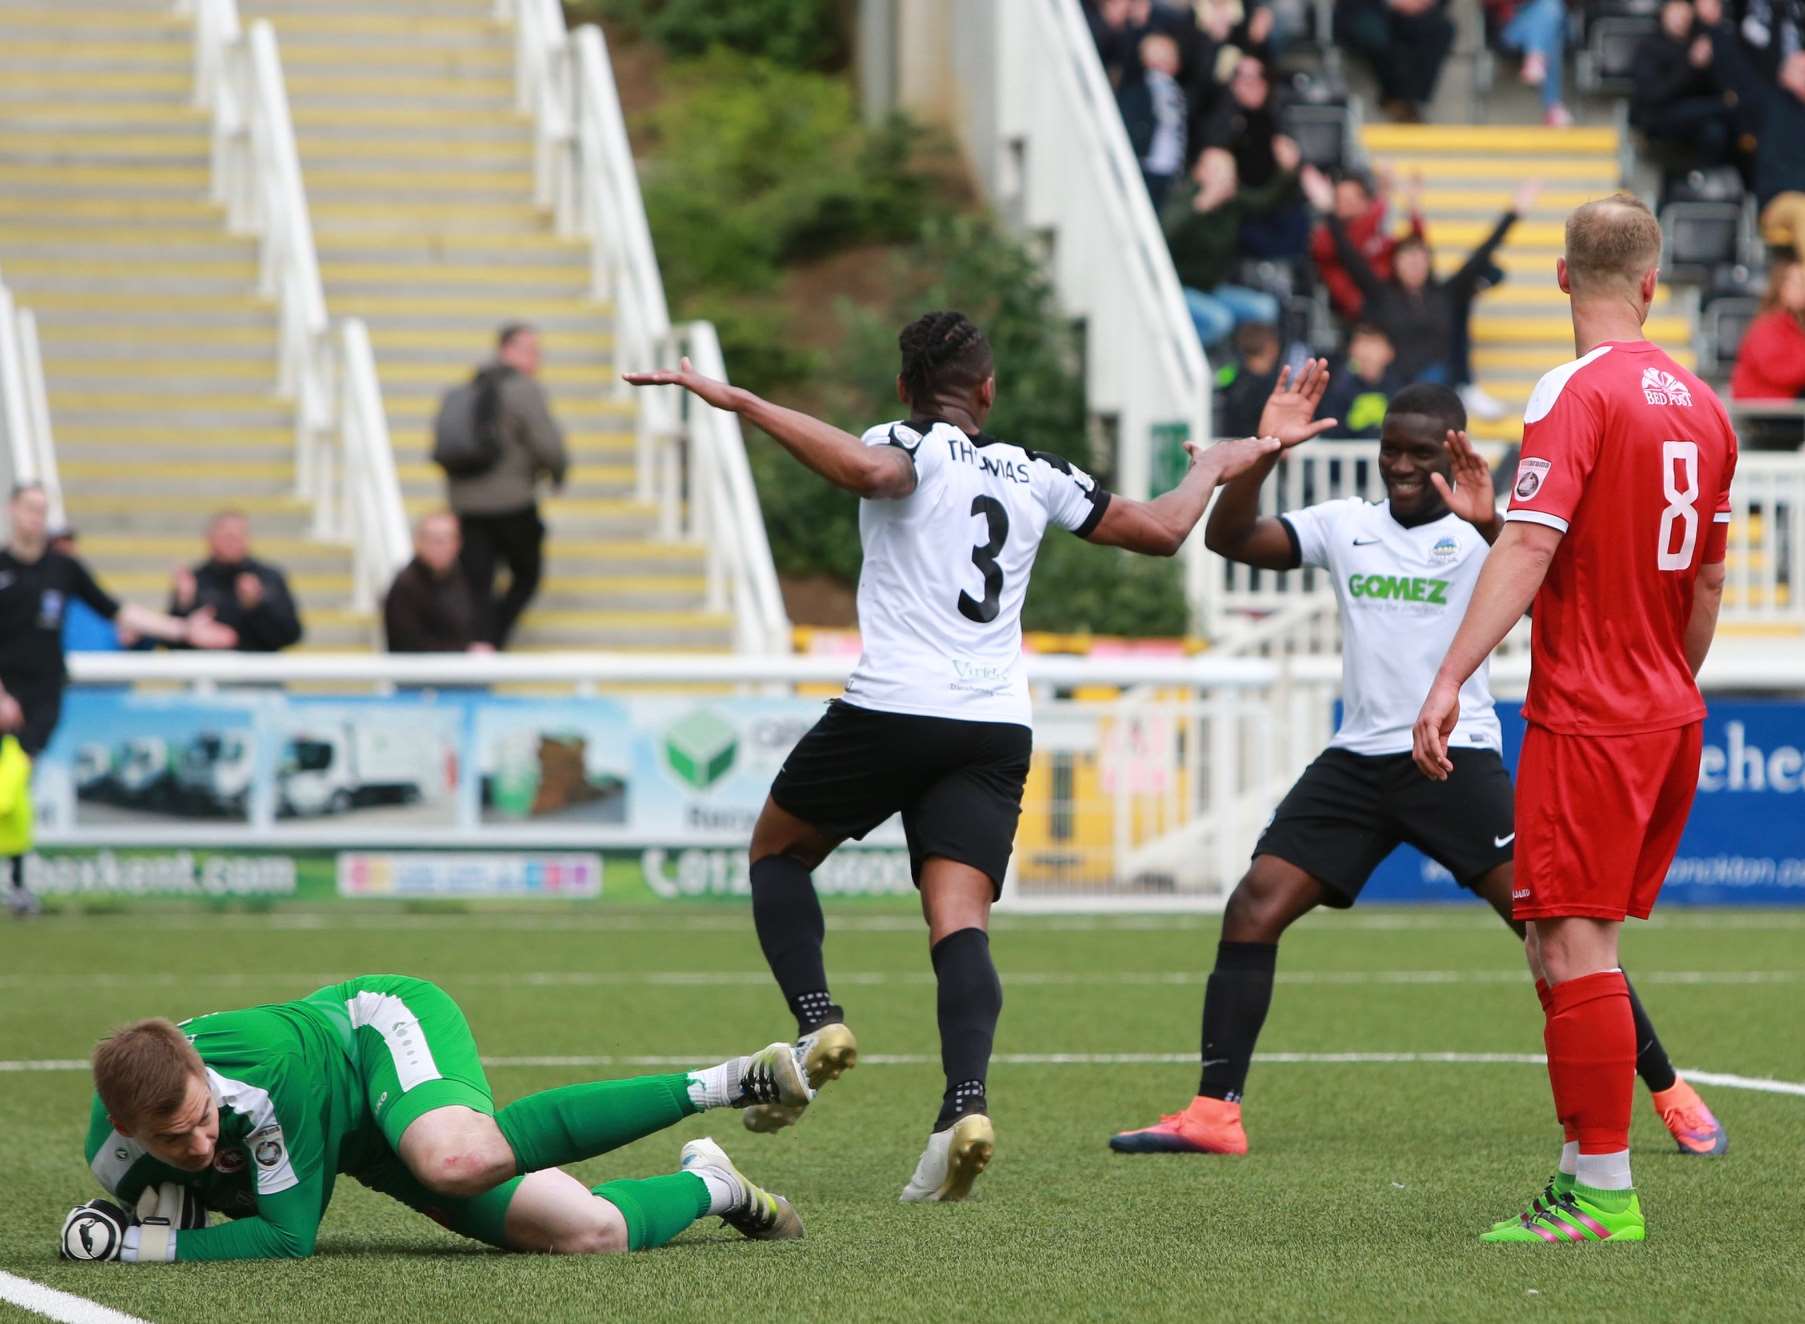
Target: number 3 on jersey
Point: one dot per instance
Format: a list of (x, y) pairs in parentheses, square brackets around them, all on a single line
[(1679, 480), (985, 554)]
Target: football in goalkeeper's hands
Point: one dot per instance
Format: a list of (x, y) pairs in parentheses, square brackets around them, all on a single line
[(174, 1202)]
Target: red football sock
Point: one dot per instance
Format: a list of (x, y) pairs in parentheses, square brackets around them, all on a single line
[(1545, 995), (1591, 1038)]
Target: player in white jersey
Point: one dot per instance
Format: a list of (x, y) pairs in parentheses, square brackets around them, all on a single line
[(934, 723), (1403, 570)]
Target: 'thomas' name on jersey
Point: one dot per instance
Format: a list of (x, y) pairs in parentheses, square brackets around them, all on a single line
[(946, 570), (1402, 593)]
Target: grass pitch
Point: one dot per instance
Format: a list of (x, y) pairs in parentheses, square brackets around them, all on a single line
[(1366, 1187)]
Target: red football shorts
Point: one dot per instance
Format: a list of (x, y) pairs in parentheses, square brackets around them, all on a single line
[(1599, 820)]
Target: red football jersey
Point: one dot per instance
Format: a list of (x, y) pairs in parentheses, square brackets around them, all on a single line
[(1630, 456)]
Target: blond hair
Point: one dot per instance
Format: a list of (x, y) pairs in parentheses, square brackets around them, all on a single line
[(142, 1070), (1611, 243)]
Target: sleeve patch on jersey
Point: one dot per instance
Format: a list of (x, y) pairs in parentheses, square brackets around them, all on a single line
[(904, 446), (269, 1151), (1531, 473)]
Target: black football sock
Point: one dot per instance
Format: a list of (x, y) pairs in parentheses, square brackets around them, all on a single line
[(1234, 1009), (1651, 1059), (787, 914), (970, 1000)]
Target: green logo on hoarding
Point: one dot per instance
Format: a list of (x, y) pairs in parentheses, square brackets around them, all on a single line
[(701, 749)]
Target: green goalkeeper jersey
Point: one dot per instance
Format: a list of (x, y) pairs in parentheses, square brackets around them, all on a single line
[(294, 1112)]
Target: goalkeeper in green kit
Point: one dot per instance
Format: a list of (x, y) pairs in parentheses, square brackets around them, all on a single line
[(254, 1113)]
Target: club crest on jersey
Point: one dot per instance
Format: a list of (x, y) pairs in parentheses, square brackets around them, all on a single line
[(229, 1161), (1445, 550), (1530, 475), (1660, 387)]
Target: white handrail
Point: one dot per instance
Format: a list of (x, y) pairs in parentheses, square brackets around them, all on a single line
[(344, 466), (30, 453), (691, 460), (372, 490)]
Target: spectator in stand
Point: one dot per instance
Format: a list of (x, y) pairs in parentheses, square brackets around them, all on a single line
[(1772, 30), (1154, 112), (1243, 384), (1426, 318), (1245, 129), (1777, 110), (1117, 27), (1215, 35), (1362, 387), (1362, 211), (1202, 221), (498, 509), (1536, 29), (429, 607), (1770, 365), (1678, 99), (241, 592), (1405, 41)]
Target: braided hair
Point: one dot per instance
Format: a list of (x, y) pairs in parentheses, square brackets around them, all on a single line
[(942, 352)]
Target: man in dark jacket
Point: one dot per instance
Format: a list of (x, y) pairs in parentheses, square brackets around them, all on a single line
[(1203, 221), (429, 607), (1777, 110), (1678, 99), (498, 509), (248, 595), (1405, 41)]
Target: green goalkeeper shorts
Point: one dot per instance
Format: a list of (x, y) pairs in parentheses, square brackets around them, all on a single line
[(412, 1046)]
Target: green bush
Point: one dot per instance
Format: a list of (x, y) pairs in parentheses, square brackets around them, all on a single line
[(754, 165), (968, 264), (804, 34)]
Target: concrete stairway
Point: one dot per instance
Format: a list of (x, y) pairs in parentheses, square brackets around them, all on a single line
[(419, 181), (159, 358), (1520, 328)]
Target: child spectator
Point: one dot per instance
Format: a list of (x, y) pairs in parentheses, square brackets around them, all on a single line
[(1362, 387), (1537, 29), (1426, 318), (1154, 112), (1243, 384), (1362, 210), (1771, 363), (1678, 100)]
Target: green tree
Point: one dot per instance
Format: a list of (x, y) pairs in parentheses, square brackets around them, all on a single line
[(803, 34)]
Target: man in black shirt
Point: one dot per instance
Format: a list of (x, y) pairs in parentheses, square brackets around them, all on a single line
[(249, 595), (430, 608), (36, 585)]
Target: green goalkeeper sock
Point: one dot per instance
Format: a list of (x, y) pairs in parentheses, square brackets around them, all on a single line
[(656, 1208), (576, 1122)]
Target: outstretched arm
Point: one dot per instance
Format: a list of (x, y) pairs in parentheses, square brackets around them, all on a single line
[(1513, 573), (1159, 527), (1236, 529), (876, 472)]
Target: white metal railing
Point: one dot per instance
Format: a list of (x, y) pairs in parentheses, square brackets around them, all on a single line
[(30, 449), (1160, 776), (1251, 611), (344, 467), (691, 460)]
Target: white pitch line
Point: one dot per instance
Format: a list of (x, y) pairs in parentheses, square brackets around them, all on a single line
[(753, 978), (63, 1306), (1760, 1084)]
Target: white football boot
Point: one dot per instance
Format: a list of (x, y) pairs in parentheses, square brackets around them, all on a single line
[(953, 1159), (758, 1213), (826, 1055)]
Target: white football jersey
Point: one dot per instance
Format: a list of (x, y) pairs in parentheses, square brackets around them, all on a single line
[(946, 570), (1402, 594)]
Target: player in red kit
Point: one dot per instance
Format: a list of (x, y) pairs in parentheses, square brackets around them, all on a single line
[(1616, 533)]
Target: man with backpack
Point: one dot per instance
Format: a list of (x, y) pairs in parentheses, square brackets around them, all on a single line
[(495, 438)]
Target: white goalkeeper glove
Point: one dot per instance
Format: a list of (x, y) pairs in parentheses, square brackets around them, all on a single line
[(163, 1210), (94, 1231)]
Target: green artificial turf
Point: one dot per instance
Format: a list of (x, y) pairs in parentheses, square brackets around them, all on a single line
[(1366, 1187)]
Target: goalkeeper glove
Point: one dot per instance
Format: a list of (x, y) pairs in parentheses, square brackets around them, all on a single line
[(94, 1231)]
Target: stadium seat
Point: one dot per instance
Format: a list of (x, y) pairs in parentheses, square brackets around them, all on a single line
[(1721, 329), (1605, 66), (1701, 236), (1322, 133)]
